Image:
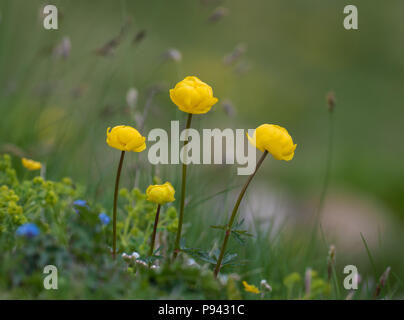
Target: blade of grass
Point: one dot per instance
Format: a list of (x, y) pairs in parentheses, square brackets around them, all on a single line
[(191, 205), (369, 255)]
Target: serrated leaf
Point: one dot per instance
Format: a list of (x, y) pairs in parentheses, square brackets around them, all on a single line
[(216, 253), (239, 238), (182, 243), (229, 257), (157, 251), (243, 232), (208, 259), (200, 254), (239, 223), (204, 256), (222, 227), (236, 263)]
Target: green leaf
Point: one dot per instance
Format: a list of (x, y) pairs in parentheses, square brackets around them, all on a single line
[(239, 238), (239, 223), (223, 227), (216, 253), (182, 243), (243, 232), (228, 258), (201, 255)]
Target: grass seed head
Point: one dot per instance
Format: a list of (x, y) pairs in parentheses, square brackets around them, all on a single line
[(218, 14), (331, 101)]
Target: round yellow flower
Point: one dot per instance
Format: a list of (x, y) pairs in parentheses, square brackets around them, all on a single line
[(125, 138), (160, 193), (274, 139), (250, 288), (191, 95), (31, 164)]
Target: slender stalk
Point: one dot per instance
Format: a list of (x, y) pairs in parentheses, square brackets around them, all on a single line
[(183, 184), (118, 176), (328, 164), (234, 213), (153, 238), (324, 189)]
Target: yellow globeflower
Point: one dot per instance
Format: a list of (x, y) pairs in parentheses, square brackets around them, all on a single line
[(250, 288), (274, 139), (160, 193), (125, 138), (31, 164), (191, 95)]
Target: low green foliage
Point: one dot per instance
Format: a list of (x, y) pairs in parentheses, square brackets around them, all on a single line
[(74, 238), (45, 203), (135, 229)]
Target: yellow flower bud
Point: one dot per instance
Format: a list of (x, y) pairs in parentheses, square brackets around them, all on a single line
[(160, 193), (31, 164), (191, 95), (125, 138), (250, 288), (274, 139)]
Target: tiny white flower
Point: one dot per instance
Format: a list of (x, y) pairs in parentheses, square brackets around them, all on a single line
[(63, 49), (135, 255), (191, 262), (138, 118), (131, 97), (141, 262), (173, 54), (265, 285), (223, 278)]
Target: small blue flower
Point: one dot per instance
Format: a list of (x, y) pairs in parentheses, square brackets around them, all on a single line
[(105, 219), (80, 203), (77, 204), (28, 230)]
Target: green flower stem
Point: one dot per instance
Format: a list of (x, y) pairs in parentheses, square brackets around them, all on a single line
[(328, 164), (118, 176), (153, 238), (324, 189), (184, 180), (234, 213)]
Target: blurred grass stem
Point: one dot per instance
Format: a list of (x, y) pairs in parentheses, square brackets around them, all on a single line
[(328, 163), (326, 181)]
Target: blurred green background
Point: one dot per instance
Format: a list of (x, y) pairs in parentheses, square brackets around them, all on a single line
[(56, 109)]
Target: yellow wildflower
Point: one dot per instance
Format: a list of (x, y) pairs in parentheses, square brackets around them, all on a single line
[(293, 278), (250, 288), (31, 164), (191, 95), (274, 139), (160, 193), (125, 138)]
